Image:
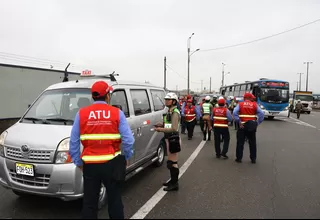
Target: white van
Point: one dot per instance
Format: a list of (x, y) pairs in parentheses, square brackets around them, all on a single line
[(34, 155)]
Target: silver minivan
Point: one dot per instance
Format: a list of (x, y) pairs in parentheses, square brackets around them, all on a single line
[(34, 155)]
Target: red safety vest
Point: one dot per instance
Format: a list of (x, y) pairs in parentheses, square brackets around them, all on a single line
[(190, 113), (99, 133), (220, 117), (248, 111)]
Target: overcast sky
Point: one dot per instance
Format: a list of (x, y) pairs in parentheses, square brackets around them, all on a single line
[(132, 38)]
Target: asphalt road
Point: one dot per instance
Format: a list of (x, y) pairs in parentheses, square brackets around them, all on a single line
[(283, 184)]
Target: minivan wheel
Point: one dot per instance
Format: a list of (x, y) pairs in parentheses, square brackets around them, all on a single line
[(160, 155), (102, 197)]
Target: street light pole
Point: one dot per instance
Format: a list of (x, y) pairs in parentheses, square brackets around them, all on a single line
[(189, 55), (189, 39), (300, 81), (307, 74), (222, 81)]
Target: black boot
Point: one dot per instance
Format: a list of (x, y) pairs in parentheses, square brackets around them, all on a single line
[(204, 135), (167, 183), (173, 185), (209, 135)]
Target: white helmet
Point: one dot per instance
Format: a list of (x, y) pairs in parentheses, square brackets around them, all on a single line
[(299, 100), (231, 97), (207, 98), (172, 96), (221, 97)]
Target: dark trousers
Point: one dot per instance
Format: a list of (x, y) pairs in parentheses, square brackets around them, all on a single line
[(225, 135), (201, 124), (93, 176), (298, 113), (190, 127), (242, 134), (183, 124)]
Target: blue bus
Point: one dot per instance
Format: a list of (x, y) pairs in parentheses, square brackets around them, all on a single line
[(272, 95)]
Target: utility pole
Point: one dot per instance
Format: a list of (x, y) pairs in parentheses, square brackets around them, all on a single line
[(222, 81), (165, 73), (297, 86), (300, 81), (307, 74), (210, 86)]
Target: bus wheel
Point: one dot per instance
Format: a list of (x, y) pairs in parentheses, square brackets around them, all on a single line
[(271, 117)]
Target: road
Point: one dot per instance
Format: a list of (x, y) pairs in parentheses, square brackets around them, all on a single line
[(283, 184)]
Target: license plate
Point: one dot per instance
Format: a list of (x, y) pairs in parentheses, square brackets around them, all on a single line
[(24, 169), (274, 113)]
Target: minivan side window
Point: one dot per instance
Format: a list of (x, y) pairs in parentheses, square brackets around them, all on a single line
[(119, 99), (158, 99), (140, 99)]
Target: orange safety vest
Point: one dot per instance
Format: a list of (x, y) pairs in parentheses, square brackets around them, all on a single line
[(99, 133), (190, 113), (248, 111), (220, 117)]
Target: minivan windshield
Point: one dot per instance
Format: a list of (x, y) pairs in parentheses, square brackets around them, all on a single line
[(58, 106)]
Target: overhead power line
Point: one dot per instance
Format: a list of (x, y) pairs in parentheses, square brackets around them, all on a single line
[(180, 74), (261, 39)]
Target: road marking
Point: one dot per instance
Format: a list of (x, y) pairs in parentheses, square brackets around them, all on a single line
[(303, 123), (156, 198)]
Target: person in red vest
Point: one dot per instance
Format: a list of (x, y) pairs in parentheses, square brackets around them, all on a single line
[(221, 117), (191, 115), (101, 129), (248, 115)]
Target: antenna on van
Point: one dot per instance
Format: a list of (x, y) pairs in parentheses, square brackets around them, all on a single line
[(66, 75), (112, 76)]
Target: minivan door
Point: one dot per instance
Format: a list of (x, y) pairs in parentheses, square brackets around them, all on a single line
[(119, 100), (141, 123)]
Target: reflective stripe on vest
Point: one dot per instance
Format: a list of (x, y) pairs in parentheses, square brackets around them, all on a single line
[(206, 108), (220, 125), (98, 158), (247, 116), (100, 137), (220, 118)]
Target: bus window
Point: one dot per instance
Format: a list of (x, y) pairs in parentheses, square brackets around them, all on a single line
[(236, 90)]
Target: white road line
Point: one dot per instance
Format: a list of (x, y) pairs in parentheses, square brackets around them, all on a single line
[(303, 123), (156, 198)]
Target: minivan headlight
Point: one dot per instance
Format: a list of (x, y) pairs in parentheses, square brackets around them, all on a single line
[(2, 138), (286, 108), (262, 107), (62, 155)]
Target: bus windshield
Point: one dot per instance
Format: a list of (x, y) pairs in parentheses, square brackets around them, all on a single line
[(307, 98), (274, 95)]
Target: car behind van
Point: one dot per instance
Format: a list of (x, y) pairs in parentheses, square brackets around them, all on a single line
[(34, 156)]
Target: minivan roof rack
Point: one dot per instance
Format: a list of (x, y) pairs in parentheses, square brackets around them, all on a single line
[(110, 76)]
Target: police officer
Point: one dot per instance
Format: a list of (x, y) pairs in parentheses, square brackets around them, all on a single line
[(191, 114), (298, 108), (170, 127), (206, 111), (248, 115), (221, 117), (101, 129)]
